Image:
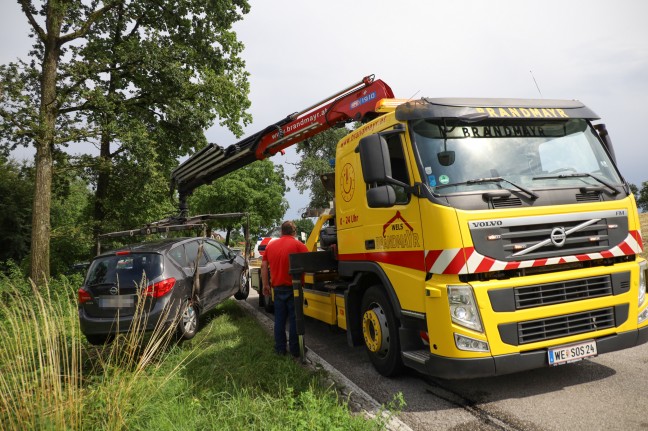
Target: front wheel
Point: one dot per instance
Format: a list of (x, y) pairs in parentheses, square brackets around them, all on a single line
[(380, 332), (188, 324), (244, 286)]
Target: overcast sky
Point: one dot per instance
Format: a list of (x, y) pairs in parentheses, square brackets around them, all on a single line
[(299, 52)]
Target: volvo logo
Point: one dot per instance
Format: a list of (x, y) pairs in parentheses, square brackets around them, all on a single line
[(558, 236), (114, 290)]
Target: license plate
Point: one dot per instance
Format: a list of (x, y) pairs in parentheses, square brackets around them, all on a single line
[(119, 301), (572, 352)]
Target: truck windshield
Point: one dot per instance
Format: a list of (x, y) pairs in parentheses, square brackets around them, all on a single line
[(516, 155)]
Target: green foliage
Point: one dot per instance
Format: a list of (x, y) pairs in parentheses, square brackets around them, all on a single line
[(139, 80), (16, 191), (71, 237), (258, 188), (305, 225), (641, 195), (316, 154)]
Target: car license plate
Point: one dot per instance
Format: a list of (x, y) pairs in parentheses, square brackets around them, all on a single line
[(119, 301), (572, 352)]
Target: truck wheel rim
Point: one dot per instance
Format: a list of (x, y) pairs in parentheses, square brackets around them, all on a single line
[(375, 330)]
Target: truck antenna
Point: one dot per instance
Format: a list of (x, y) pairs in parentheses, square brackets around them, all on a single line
[(536, 83)]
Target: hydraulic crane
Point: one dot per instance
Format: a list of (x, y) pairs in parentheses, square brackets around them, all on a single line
[(354, 103)]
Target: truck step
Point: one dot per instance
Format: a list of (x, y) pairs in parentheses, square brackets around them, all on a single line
[(420, 356)]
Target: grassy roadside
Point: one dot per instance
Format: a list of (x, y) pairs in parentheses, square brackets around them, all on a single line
[(643, 219), (226, 378)]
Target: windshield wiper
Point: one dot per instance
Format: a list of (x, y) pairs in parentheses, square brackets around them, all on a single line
[(579, 175), (531, 194)]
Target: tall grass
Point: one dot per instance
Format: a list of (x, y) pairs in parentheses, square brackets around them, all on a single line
[(40, 357), (226, 378), (51, 378)]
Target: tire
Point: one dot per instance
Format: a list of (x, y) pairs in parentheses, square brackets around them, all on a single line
[(188, 324), (244, 286), (98, 339), (380, 332)]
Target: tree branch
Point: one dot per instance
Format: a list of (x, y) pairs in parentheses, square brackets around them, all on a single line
[(26, 6), (94, 16)]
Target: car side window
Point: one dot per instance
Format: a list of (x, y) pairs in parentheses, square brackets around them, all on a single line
[(191, 251), (215, 251), (178, 255)]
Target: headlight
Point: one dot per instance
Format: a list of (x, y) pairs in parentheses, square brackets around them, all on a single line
[(642, 283), (463, 307), (470, 344)]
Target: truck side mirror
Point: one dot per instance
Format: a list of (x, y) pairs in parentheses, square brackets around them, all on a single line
[(374, 159), (381, 197)]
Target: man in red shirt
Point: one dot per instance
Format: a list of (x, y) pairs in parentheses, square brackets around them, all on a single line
[(276, 257)]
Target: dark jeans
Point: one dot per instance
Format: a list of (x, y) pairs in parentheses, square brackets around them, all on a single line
[(284, 309)]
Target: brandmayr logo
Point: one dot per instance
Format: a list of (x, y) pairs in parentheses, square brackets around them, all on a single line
[(397, 233)]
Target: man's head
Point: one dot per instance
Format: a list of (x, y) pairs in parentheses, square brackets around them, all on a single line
[(288, 228)]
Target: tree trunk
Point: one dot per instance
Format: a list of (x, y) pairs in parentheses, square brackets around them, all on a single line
[(44, 142)]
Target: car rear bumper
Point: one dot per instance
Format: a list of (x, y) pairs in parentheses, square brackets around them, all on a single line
[(146, 320)]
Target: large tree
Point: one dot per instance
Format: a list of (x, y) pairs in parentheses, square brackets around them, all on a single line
[(258, 188), (139, 79)]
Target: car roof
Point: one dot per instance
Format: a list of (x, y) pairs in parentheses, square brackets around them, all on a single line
[(157, 246)]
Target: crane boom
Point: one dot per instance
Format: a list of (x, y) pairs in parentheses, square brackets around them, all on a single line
[(354, 103)]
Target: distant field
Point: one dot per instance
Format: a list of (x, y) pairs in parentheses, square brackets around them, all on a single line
[(643, 218)]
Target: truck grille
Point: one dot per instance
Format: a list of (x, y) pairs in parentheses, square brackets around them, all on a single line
[(551, 328), (529, 238), (558, 292), (564, 291)]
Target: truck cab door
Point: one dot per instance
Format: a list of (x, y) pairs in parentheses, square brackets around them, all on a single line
[(390, 229)]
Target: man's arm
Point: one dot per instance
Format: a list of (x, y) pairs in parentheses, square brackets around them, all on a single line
[(265, 280)]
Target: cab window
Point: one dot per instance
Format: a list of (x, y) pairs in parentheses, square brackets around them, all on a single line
[(398, 166)]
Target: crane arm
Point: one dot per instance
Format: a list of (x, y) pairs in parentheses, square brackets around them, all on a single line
[(355, 103)]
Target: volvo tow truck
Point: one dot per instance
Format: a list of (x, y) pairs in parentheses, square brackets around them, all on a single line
[(468, 237)]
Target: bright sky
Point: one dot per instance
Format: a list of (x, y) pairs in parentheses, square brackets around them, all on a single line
[(301, 52)]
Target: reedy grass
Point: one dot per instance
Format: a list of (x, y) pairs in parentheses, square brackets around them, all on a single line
[(226, 378)]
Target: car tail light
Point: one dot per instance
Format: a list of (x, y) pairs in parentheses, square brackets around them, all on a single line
[(122, 253), (84, 296), (160, 288)]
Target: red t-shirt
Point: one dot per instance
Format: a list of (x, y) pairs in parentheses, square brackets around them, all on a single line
[(276, 254)]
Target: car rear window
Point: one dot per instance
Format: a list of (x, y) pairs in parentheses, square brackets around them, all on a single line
[(125, 270)]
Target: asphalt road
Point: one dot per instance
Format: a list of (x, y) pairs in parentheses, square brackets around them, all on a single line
[(608, 392)]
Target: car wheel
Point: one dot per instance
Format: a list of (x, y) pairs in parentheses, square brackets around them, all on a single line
[(97, 339), (244, 286), (380, 332), (188, 324)]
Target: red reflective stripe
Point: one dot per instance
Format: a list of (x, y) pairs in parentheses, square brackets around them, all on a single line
[(485, 265), (457, 263), (512, 265), (625, 248), (412, 259), (430, 258)]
